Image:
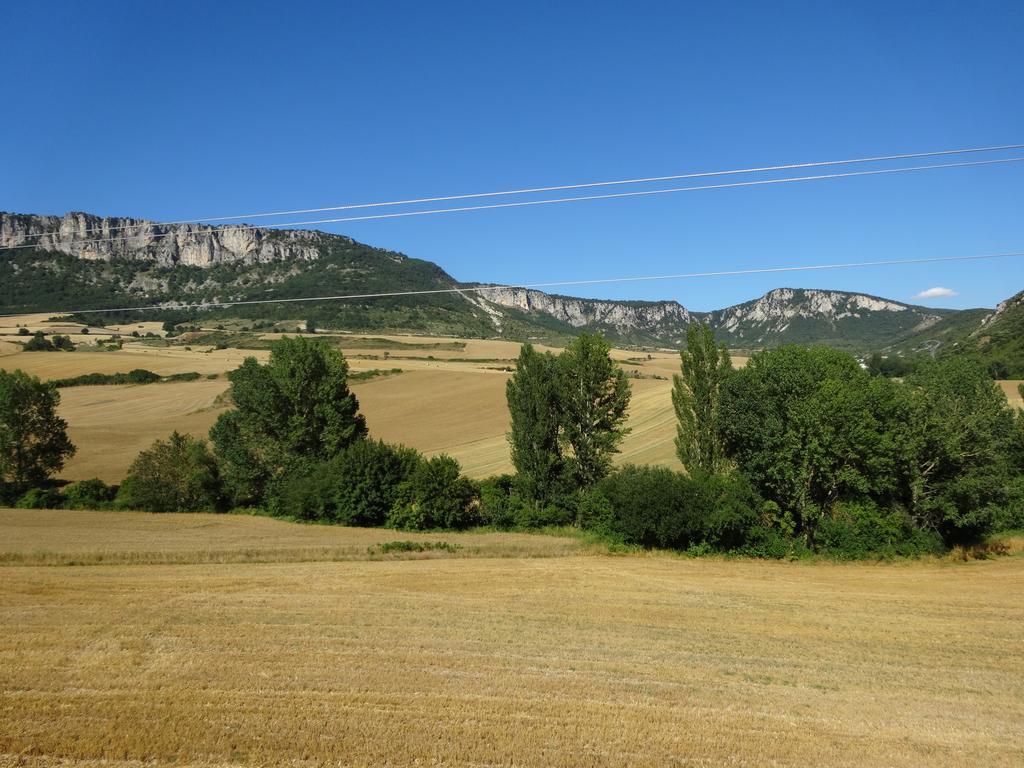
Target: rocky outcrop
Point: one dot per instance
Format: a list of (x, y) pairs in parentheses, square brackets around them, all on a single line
[(647, 316), (1017, 300), (777, 309), (108, 239)]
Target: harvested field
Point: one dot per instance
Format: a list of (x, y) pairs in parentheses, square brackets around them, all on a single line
[(111, 424), (593, 660), (67, 537), (455, 408), (1012, 390)]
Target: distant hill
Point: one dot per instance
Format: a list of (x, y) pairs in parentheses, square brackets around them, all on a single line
[(80, 261)]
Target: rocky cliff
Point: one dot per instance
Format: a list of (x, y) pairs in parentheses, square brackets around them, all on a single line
[(660, 318), (107, 239), (801, 315)]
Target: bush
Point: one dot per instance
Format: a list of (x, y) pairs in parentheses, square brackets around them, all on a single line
[(532, 514), (770, 543), (649, 506), (858, 530), (38, 343), (595, 512), (40, 498), (358, 487), (497, 501), (174, 475), (89, 494), (436, 495), (656, 507), (366, 477), (304, 494)]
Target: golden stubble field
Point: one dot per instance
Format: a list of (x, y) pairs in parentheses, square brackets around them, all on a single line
[(446, 400), (574, 660)]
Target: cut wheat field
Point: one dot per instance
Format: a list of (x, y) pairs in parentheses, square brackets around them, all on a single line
[(574, 660), (447, 400)]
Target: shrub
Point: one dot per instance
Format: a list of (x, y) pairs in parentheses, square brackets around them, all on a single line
[(358, 487), (772, 544), (89, 494), (656, 507), (38, 343), (857, 530), (365, 480), (497, 501), (174, 475), (436, 495), (595, 512), (532, 514), (304, 494), (40, 498), (649, 506)]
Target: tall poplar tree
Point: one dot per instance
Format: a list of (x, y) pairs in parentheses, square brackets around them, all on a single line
[(533, 405), (594, 396), (704, 365)]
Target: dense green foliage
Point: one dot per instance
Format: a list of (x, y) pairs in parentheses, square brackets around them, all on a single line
[(174, 475), (436, 495), (89, 494), (294, 411), (696, 392), (567, 418), (535, 434), (593, 395), (357, 487), (33, 439), (58, 343), (655, 506), (843, 453)]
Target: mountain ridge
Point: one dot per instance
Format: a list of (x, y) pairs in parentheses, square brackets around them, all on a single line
[(98, 261)]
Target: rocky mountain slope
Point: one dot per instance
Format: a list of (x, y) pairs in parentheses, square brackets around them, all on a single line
[(80, 262), (806, 316)]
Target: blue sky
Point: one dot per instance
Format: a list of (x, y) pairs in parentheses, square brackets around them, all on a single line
[(189, 109)]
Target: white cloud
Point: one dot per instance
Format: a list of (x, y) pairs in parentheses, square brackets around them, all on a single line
[(936, 293)]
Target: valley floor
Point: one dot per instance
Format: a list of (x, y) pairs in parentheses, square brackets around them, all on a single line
[(557, 656)]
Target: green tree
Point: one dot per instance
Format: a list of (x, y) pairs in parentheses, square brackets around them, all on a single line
[(295, 410), (33, 438), (533, 404), (696, 393), (39, 343), (174, 475), (436, 495), (965, 434), (593, 396), (809, 428)]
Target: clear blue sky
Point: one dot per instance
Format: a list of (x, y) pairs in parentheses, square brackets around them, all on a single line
[(187, 109)]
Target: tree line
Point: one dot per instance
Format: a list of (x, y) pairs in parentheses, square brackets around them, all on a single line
[(799, 451)]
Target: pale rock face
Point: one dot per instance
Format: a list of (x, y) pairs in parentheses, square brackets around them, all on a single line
[(776, 309), (578, 313), (107, 239), (1013, 301)]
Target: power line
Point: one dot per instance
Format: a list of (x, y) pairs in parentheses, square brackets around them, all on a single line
[(554, 284), (558, 188), (548, 201)]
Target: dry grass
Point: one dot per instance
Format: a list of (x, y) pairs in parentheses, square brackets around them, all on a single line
[(435, 405), (62, 537), (599, 660), (1012, 391), (111, 424)]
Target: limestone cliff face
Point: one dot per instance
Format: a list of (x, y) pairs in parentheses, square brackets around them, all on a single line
[(777, 309), (108, 239), (1014, 302), (669, 316)]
